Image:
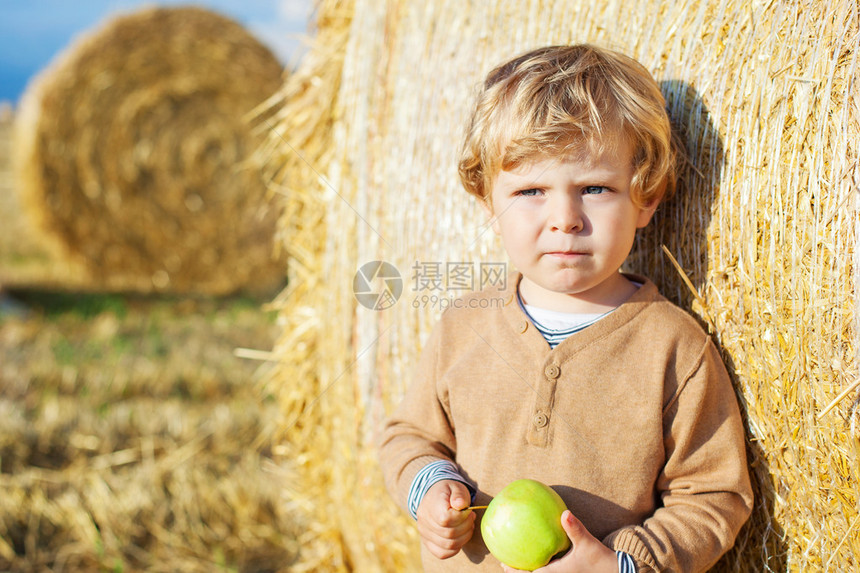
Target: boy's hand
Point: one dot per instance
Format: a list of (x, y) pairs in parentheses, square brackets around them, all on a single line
[(586, 554), (442, 524)]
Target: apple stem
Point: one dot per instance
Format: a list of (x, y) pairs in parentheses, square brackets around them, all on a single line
[(477, 507)]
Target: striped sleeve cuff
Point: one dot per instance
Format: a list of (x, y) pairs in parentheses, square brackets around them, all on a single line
[(426, 477), (625, 563)]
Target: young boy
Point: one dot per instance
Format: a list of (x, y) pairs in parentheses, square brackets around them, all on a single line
[(585, 379)]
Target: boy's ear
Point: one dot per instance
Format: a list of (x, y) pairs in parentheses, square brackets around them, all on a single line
[(646, 213)]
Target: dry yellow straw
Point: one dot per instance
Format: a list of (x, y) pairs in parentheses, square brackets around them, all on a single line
[(134, 154), (765, 228)]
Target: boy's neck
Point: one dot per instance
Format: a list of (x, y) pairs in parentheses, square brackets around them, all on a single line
[(595, 301)]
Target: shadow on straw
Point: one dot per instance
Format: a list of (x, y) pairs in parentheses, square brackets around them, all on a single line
[(680, 227)]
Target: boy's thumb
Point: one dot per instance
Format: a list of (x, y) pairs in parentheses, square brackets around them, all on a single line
[(458, 500), (572, 526)]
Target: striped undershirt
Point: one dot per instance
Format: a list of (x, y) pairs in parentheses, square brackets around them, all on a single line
[(625, 563), (426, 477), (556, 326)]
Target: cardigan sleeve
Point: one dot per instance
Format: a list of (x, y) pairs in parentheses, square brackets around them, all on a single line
[(704, 486), (419, 431)]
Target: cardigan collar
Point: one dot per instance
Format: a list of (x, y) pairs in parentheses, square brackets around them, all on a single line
[(519, 321)]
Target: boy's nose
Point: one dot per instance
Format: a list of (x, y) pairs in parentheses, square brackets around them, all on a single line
[(565, 216)]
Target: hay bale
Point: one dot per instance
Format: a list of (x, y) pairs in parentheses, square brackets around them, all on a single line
[(134, 153), (764, 228)]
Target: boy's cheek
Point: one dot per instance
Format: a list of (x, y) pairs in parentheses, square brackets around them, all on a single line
[(497, 228), (493, 220), (487, 205)]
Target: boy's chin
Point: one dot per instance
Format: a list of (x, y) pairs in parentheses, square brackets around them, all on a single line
[(537, 292), (575, 294)]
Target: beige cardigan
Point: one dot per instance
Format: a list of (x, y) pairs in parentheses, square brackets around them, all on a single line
[(633, 421)]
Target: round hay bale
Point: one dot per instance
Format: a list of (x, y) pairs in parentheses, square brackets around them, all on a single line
[(761, 241), (135, 153)]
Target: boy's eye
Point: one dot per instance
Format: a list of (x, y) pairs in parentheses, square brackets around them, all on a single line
[(529, 192), (594, 190)]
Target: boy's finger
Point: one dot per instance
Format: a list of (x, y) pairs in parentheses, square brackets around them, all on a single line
[(457, 518), (459, 498), (447, 528), (459, 502), (572, 526)]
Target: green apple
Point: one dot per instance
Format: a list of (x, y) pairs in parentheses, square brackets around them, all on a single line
[(522, 525)]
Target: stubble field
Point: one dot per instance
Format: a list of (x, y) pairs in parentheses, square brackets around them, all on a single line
[(132, 438)]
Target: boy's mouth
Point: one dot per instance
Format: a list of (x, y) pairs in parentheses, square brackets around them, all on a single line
[(566, 253), (566, 258)]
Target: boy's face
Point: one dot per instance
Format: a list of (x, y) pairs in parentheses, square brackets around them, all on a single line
[(568, 224)]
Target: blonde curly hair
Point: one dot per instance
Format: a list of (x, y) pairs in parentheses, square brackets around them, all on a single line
[(553, 101)]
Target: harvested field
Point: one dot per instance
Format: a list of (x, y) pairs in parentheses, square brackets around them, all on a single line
[(131, 436)]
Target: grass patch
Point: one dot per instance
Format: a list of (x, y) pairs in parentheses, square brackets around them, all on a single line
[(80, 305)]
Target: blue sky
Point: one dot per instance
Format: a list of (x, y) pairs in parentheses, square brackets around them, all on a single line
[(33, 32)]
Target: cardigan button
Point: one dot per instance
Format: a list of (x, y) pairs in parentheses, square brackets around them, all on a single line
[(552, 371), (541, 419)]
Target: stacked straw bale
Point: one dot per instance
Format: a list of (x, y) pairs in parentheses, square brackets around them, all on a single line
[(135, 155), (760, 243)]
